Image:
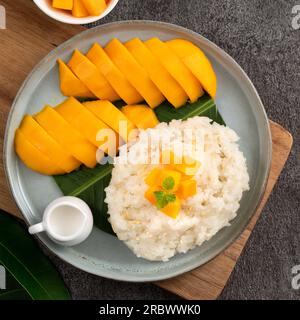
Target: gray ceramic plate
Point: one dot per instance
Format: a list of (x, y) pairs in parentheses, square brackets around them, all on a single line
[(105, 255)]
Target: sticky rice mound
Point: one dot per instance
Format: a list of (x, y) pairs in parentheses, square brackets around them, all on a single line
[(221, 180)]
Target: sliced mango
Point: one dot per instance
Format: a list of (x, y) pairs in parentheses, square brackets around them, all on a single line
[(33, 158), (41, 140), (172, 209), (152, 177), (62, 4), (189, 167), (187, 188), (70, 85), (166, 174), (141, 115), (157, 73), (134, 73), (149, 195), (67, 136), (95, 7), (185, 164), (79, 10), (88, 73), (189, 83), (197, 62), (112, 116), (86, 123), (113, 75)]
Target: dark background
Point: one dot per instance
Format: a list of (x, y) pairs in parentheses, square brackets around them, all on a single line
[(258, 34)]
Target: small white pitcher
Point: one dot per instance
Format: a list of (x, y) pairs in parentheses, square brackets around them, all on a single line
[(67, 221)]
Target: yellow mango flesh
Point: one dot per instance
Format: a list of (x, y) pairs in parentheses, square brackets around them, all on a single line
[(134, 73), (188, 167), (94, 7), (112, 116), (70, 85), (157, 73), (189, 83), (113, 75), (187, 188), (41, 140), (152, 177), (185, 164), (88, 73), (149, 195), (166, 173), (67, 136), (84, 121), (197, 62), (172, 209), (142, 116), (33, 158), (79, 10), (62, 4)]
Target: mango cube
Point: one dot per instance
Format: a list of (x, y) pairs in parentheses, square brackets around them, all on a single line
[(187, 188), (79, 10), (62, 4), (185, 164), (152, 178), (149, 195), (94, 7), (172, 208), (165, 174)]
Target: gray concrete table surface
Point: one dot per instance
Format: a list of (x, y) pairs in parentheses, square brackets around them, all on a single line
[(258, 34)]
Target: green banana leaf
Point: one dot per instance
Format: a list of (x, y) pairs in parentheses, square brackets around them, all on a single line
[(89, 184), (13, 291), (23, 259)]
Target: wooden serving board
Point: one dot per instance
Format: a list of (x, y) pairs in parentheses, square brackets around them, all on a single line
[(29, 36)]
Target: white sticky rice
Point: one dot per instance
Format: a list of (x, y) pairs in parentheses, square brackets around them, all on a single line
[(221, 180)]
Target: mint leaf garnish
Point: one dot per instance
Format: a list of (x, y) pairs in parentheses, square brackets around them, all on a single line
[(168, 183), (170, 197), (163, 198)]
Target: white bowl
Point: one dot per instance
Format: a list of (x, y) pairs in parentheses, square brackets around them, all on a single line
[(64, 16)]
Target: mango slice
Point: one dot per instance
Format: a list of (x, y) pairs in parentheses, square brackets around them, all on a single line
[(94, 7), (41, 140), (33, 158), (185, 164), (141, 115), (172, 209), (152, 177), (187, 188), (86, 123), (112, 116), (79, 10), (157, 73), (197, 62), (62, 4), (149, 195), (134, 73), (189, 83), (113, 75), (88, 73), (167, 173), (70, 85), (67, 136)]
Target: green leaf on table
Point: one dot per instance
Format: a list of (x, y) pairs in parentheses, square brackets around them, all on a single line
[(24, 260), (89, 184), (13, 291), (14, 294)]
